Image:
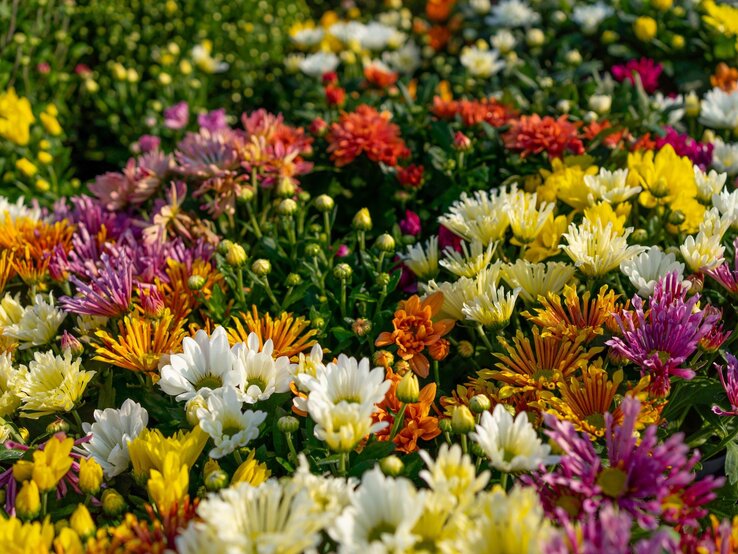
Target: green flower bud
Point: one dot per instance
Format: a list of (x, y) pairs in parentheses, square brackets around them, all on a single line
[(408, 389), (385, 243), (362, 220), (113, 503), (287, 207), (196, 282), (293, 279), (324, 203), (262, 267), (383, 279), (343, 272), (288, 424), (462, 420), (216, 480), (479, 404), (312, 250), (236, 255), (391, 466)]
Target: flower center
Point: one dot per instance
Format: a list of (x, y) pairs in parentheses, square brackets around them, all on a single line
[(596, 420), (613, 482), (210, 382), (570, 504), (376, 532), (258, 382)]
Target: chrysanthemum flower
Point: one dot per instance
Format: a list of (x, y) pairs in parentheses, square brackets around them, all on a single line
[(472, 259), (289, 333), (647, 268), (422, 260), (111, 432), (473, 112), (527, 215), (11, 380), (366, 131), (108, 293), (536, 280), (259, 374), (168, 487), (415, 330), (134, 185), (38, 324), (729, 379), (492, 308), (533, 134), (483, 217), (596, 249), (148, 450), (661, 339), (52, 384), (610, 186), (724, 275), (645, 69), (204, 366)]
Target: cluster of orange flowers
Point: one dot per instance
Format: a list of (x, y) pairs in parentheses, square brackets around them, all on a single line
[(533, 134), (725, 77), (473, 112)]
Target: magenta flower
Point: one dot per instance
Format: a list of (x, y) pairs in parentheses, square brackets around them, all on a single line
[(207, 153), (411, 224), (177, 116), (148, 143), (106, 294), (213, 121), (134, 185), (700, 153), (724, 275), (647, 70), (661, 339), (447, 239), (729, 379)]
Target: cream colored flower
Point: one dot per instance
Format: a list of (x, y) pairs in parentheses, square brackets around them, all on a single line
[(52, 384), (422, 260), (470, 261), (708, 184), (39, 323), (610, 186), (483, 216), (453, 474), (597, 250), (702, 251), (527, 218), (648, 267), (10, 383), (539, 279), (492, 308)]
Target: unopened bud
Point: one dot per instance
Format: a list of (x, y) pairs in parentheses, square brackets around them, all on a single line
[(402, 367), (57, 426), (343, 272), (262, 267), (408, 389), (383, 279), (246, 195), (362, 220), (223, 247), (113, 503), (361, 327), (324, 203), (462, 142), (445, 425), (312, 250), (639, 236), (194, 404), (28, 501), (81, 522), (288, 424), (465, 348), (90, 476), (383, 358), (385, 243), (479, 403), (391, 466), (217, 480), (71, 343), (677, 217), (236, 255), (462, 420), (287, 207), (286, 188), (293, 279), (195, 282)]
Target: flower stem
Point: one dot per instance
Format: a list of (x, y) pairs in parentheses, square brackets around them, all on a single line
[(342, 463), (291, 446), (399, 418), (436, 374), (464, 444), (503, 480), (237, 455), (485, 340)]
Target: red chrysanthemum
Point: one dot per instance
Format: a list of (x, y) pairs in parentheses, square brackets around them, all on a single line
[(473, 112), (533, 134), (366, 131)]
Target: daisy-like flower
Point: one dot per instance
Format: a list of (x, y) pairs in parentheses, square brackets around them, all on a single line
[(512, 13), (205, 365), (38, 324), (405, 59), (481, 63), (342, 426), (719, 109), (661, 339), (610, 186), (725, 156), (453, 474), (527, 217), (536, 280), (112, 431), (645, 270), (729, 379), (492, 308), (259, 374), (381, 516), (511, 445), (596, 249), (483, 217), (318, 64), (307, 36), (52, 384), (708, 184), (422, 260), (13, 211), (290, 334), (702, 252), (10, 383), (470, 261), (589, 17), (727, 204), (228, 426)]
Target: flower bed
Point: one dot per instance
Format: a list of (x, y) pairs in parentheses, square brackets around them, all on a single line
[(470, 290)]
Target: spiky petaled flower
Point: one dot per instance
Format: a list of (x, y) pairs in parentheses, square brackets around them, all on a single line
[(597, 249), (659, 340), (575, 316), (729, 378), (726, 276), (140, 342), (473, 112), (289, 333), (537, 279), (108, 293)]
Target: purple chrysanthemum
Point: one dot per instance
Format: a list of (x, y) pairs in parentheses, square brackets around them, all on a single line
[(725, 275), (108, 293), (660, 339), (729, 379), (207, 153)]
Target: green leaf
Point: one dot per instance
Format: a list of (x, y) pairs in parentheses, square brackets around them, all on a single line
[(731, 462)]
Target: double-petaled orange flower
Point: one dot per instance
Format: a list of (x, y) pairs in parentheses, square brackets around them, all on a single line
[(415, 330), (533, 134), (725, 77)]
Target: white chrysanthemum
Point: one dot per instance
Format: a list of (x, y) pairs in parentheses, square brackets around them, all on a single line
[(455, 295), (503, 40), (405, 59), (507, 523), (702, 251), (11, 311), (647, 268), (318, 64), (378, 36), (10, 382), (472, 259), (381, 516), (610, 186), (727, 204), (18, 209), (205, 365), (511, 445), (527, 218), (329, 494), (347, 31), (708, 184), (422, 260), (482, 216), (304, 38), (260, 375), (492, 308), (453, 473), (272, 518), (589, 17), (52, 384), (38, 324), (513, 13), (720, 109), (538, 279), (227, 425), (312, 366), (725, 156), (597, 250), (112, 431), (671, 106), (342, 426), (481, 63)]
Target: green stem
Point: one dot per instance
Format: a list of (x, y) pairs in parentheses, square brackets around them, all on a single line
[(343, 298), (77, 421), (399, 418), (464, 444), (237, 455), (503, 480), (485, 340), (437, 374), (342, 463), (291, 446)]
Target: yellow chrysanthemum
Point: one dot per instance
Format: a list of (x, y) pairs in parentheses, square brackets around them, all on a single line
[(665, 177), (150, 448), (721, 17), (251, 471), (17, 537), (565, 181), (289, 334), (169, 486), (547, 241), (16, 117)]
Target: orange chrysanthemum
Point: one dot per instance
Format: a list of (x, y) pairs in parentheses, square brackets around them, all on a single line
[(6, 269), (725, 77), (368, 132), (287, 332), (439, 10), (473, 112), (177, 294), (379, 77), (538, 366), (141, 342), (612, 137), (417, 424), (576, 317), (533, 134), (414, 330), (462, 394)]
